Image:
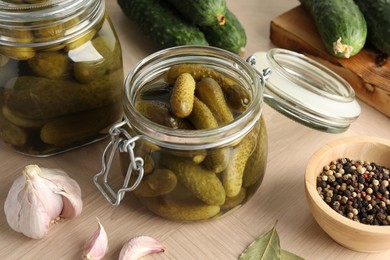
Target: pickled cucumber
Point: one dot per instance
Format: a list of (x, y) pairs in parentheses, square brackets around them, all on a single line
[(101, 59), (159, 182), (197, 72), (11, 133), (157, 111), (218, 159), (21, 36), (182, 211), (253, 174), (237, 97), (21, 121), (61, 131), (232, 176), (52, 65), (201, 116), (41, 98), (210, 93), (8, 71), (182, 96), (50, 33), (203, 183), (231, 202)]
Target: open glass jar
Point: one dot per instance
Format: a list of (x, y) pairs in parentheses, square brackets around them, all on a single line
[(61, 74), (185, 167)]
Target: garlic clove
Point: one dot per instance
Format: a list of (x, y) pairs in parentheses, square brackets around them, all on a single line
[(34, 221), (51, 201), (68, 189), (96, 247), (140, 246)]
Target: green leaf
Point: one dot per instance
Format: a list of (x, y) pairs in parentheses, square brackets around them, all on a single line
[(286, 255), (266, 247)]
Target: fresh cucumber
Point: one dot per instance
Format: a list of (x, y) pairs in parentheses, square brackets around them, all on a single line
[(202, 13), (377, 14), (162, 23), (341, 24), (231, 36)]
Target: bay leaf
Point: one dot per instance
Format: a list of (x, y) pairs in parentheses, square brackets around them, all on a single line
[(286, 255), (266, 247)]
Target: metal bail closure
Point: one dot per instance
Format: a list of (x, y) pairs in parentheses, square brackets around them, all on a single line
[(306, 91), (121, 141)]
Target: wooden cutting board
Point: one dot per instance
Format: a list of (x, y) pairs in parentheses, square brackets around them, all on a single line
[(368, 72)]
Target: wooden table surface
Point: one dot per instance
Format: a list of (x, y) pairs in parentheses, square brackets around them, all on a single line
[(281, 196)]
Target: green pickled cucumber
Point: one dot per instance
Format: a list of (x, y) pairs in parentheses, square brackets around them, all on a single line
[(256, 164), (197, 156), (217, 160), (157, 111), (237, 97), (182, 211), (11, 133), (210, 93), (52, 65), (159, 182), (80, 41), (232, 202), (198, 72), (50, 33), (102, 57), (182, 96), (203, 183), (21, 36), (78, 127), (41, 98), (17, 53), (201, 116), (21, 121), (232, 176)]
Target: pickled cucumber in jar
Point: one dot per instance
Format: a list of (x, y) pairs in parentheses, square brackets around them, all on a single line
[(60, 80), (210, 181)]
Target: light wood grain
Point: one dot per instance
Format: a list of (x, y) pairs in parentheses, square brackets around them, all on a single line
[(353, 235), (281, 196)]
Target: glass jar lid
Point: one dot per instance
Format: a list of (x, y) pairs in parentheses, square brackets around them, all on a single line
[(34, 23), (307, 91)]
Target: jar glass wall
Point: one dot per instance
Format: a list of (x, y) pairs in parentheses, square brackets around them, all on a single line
[(61, 75), (192, 173)]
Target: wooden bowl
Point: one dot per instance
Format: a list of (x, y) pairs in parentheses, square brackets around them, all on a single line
[(350, 234)]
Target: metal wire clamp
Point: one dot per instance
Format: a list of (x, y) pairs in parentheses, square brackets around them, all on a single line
[(121, 141)]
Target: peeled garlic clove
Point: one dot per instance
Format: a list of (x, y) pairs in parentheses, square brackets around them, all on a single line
[(37, 197), (96, 247), (140, 246)]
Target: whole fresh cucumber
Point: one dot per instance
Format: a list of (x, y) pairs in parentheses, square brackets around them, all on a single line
[(162, 23), (377, 14), (203, 13), (341, 24), (231, 36)]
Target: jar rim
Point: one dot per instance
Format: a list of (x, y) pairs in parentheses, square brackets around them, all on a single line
[(192, 139), (17, 19)]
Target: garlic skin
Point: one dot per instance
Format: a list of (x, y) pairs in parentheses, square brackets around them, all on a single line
[(39, 197), (140, 246), (97, 245)]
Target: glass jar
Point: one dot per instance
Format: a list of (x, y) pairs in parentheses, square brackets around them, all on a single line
[(182, 166), (176, 168), (61, 74)]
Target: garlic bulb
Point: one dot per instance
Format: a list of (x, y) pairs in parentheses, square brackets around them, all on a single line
[(140, 246), (40, 197), (96, 247)]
